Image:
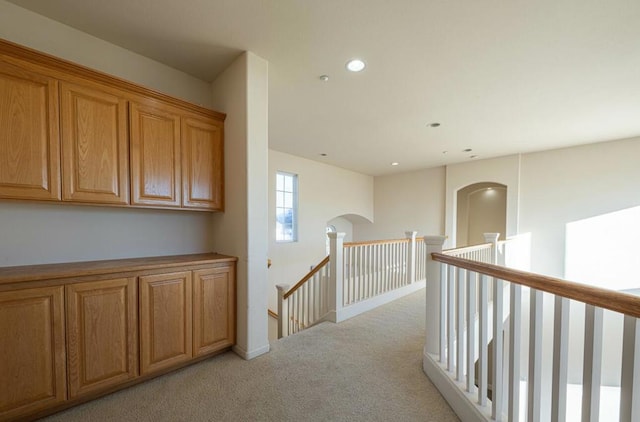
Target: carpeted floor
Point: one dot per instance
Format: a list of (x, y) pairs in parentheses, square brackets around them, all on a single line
[(368, 368)]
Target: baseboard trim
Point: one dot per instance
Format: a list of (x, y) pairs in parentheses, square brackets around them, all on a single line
[(463, 404), (251, 354)]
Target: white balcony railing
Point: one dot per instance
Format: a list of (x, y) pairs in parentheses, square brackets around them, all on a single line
[(510, 384)]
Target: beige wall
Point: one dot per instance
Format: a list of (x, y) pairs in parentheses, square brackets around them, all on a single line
[(412, 201), (324, 192), (34, 233)]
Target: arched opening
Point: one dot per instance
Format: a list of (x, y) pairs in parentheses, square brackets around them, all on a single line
[(481, 208)]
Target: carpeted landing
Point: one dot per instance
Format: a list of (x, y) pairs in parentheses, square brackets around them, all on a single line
[(368, 368)]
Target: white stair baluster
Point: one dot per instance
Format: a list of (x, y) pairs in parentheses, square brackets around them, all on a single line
[(451, 282), (630, 381), (560, 359), (515, 335), (472, 297), (534, 388), (460, 324), (498, 327), (483, 358), (443, 307), (592, 367)]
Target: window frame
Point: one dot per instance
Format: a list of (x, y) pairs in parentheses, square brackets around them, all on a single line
[(280, 235)]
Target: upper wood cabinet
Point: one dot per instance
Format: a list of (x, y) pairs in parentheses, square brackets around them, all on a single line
[(102, 334), (32, 344), (29, 134), (202, 164), (165, 320), (95, 152), (68, 133), (155, 155)]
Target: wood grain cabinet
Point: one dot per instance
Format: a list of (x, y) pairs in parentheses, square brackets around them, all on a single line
[(165, 320), (102, 332), (155, 156), (32, 350), (95, 148), (29, 134), (99, 326), (68, 133), (214, 298), (202, 164)]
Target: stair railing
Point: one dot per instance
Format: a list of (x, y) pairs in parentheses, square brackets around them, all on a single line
[(451, 350), (306, 303)]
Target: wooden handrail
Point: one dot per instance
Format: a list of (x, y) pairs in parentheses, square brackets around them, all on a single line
[(603, 298), (307, 277), (374, 242), (469, 248), (272, 314)]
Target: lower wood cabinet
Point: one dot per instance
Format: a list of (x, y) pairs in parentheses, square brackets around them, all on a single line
[(102, 331), (97, 326), (32, 351), (165, 320), (214, 298)]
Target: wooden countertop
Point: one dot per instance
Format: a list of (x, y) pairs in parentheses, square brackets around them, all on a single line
[(78, 269)]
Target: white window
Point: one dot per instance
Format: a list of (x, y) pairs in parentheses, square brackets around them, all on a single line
[(286, 207)]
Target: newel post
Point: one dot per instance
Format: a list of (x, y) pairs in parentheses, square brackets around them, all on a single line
[(411, 257), (432, 288), (283, 311), (336, 274), (493, 239)]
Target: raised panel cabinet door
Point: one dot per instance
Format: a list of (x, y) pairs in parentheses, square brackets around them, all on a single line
[(32, 351), (95, 156), (214, 298), (202, 164), (165, 320), (155, 156), (102, 347), (29, 135)]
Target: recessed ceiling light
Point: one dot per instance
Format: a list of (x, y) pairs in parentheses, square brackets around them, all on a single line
[(323, 154), (467, 150), (444, 152), (395, 163), (473, 156), (434, 124), (324, 78), (355, 65)]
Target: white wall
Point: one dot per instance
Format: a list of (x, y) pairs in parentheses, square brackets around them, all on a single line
[(503, 170), (324, 192), (412, 201), (34, 233), (562, 186), (241, 92)]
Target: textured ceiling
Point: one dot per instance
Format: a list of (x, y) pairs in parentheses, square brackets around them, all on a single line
[(501, 77)]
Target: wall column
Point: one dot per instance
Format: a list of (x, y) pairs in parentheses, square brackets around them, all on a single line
[(411, 257), (336, 275), (432, 289)]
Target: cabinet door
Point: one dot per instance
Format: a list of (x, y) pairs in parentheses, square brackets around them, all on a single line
[(165, 320), (202, 169), (214, 299), (95, 157), (32, 364), (29, 135), (101, 334), (155, 156)]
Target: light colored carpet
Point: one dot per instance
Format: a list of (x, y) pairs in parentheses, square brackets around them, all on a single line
[(368, 368)]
